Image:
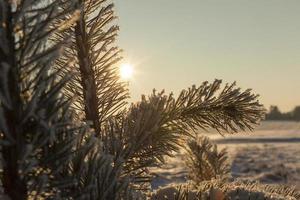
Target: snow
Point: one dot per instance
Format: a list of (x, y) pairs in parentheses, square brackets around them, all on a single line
[(270, 154)]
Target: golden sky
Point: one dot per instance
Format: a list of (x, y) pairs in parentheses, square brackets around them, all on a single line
[(174, 44)]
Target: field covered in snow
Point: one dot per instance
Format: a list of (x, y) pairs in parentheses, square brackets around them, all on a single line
[(270, 154)]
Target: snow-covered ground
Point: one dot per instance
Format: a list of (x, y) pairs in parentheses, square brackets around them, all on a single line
[(270, 154)]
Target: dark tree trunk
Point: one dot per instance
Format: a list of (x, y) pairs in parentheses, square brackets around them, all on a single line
[(13, 185)]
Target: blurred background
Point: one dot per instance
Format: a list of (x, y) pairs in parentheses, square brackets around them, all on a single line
[(256, 43)]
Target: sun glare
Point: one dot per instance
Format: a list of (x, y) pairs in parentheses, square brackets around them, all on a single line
[(126, 71)]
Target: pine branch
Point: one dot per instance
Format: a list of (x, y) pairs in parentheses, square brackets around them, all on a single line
[(204, 161), (156, 126), (96, 177), (100, 94), (228, 110)]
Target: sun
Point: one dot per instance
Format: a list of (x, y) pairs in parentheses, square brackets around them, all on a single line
[(126, 71)]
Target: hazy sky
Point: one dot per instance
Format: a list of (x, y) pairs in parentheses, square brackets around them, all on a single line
[(174, 44)]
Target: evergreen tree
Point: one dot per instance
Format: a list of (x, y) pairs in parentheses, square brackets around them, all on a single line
[(274, 114), (37, 133), (296, 113), (44, 154)]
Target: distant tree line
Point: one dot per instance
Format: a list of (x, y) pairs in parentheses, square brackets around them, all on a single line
[(276, 114)]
